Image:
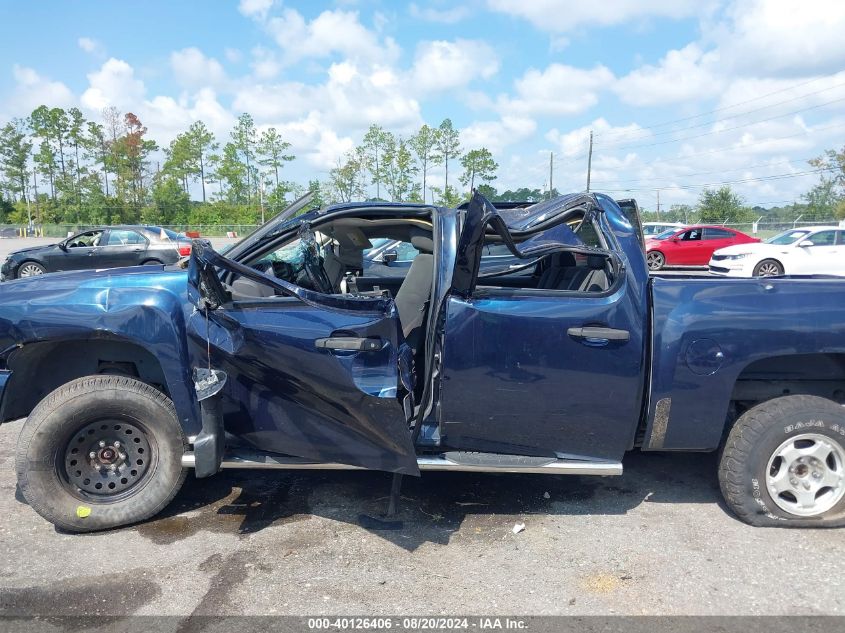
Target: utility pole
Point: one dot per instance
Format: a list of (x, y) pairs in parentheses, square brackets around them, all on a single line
[(658, 204), (551, 172), (589, 161)]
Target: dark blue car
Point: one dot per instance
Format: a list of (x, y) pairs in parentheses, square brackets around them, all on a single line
[(295, 350)]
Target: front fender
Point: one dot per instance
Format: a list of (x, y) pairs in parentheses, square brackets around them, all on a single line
[(148, 311)]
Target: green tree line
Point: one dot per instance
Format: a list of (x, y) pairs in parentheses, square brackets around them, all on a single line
[(56, 167)]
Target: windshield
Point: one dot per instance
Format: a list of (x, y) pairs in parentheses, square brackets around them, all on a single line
[(787, 237), (665, 235)]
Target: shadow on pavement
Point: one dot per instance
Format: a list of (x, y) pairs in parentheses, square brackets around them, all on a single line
[(432, 507)]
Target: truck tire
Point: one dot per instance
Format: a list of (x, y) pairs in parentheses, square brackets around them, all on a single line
[(99, 452), (783, 463)]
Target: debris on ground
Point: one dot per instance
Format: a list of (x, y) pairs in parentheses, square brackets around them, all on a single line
[(519, 527)]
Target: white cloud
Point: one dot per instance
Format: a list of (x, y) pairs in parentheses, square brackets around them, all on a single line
[(114, 84), (567, 15), (166, 117), (575, 142), (330, 33), (32, 90), (90, 45), (352, 97), (193, 69), (265, 64), (682, 75), (442, 65), (557, 90), (451, 15), (497, 135), (233, 55), (782, 36), (255, 8)]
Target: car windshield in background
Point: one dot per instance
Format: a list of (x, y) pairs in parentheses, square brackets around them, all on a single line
[(665, 235), (787, 237)]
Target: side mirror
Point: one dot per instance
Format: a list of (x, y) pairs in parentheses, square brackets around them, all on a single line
[(388, 257), (675, 240), (63, 245), (805, 244)]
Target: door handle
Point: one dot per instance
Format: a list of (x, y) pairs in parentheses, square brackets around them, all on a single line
[(349, 343), (599, 333)]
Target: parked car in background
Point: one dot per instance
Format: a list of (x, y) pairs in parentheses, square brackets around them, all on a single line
[(651, 229), (808, 251), (691, 246), (108, 247)]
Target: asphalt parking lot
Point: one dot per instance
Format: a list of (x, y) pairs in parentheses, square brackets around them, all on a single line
[(656, 540)]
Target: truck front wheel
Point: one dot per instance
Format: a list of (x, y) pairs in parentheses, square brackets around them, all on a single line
[(99, 452), (783, 464)]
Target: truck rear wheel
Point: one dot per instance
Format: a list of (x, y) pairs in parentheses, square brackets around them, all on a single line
[(783, 464), (99, 452)]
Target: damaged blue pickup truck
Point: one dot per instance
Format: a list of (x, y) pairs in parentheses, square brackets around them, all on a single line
[(525, 339)]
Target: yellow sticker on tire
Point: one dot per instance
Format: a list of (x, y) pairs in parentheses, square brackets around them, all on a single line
[(83, 511)]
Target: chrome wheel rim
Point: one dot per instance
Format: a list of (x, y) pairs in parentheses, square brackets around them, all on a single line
[(768, 269), (30, 270), (655, 261), (806, 474)]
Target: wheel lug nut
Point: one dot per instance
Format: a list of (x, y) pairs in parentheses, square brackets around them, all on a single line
[(102, 443), (92, 454), (817, 475), (117, 444), (793, 481)]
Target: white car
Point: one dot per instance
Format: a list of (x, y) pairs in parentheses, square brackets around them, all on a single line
[(650, 229), (818, 250)]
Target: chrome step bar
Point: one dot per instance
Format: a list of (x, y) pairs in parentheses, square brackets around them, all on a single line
[(425, 462)]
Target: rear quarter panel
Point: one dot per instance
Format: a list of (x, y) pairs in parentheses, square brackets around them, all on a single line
[(744, 319)]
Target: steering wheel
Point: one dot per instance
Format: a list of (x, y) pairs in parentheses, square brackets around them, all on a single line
[(313, 267)]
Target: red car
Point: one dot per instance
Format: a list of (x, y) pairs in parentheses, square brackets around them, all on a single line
[(690, 246)]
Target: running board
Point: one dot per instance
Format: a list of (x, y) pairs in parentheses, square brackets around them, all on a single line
[(460, 462)]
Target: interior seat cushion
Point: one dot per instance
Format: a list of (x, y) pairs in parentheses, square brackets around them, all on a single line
[(559, 273), (415, 291)]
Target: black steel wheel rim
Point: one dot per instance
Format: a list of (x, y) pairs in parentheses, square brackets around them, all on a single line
[(107, 460)]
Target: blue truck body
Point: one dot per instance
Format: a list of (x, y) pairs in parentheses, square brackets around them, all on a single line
[(511, 377)]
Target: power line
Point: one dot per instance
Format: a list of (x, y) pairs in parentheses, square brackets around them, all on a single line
[(715, 171), (729, 129), (734, 105), (724, 182), (741, 114), (734, 148)]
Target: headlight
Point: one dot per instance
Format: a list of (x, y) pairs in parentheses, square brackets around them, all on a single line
[(737, 256)]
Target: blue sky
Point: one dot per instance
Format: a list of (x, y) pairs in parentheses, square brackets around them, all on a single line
[(679, 93)]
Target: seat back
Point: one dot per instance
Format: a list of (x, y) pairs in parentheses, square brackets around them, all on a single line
[(559, 272), (414, 293)]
